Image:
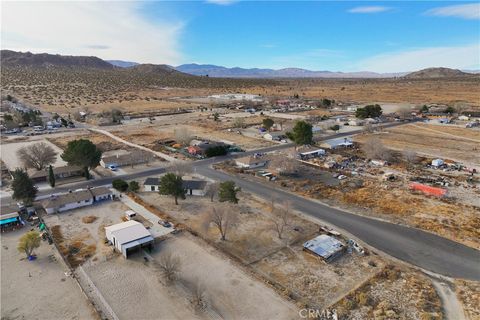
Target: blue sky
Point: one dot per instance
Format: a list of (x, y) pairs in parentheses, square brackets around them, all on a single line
[(324, 35)]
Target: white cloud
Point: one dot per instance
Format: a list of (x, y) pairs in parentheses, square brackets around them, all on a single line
[(461, 57), (369, 9), (109, 30), (222, 2), (465, 11)]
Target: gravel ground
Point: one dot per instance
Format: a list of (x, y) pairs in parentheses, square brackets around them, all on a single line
[(38, 289)]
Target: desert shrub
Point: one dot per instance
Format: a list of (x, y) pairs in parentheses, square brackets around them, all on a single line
[(348, 303), (363, 299)]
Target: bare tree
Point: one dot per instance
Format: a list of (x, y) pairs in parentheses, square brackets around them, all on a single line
[(169, 266), (199, 297), (182, 135), (181, 168), (222, 218), (38, 155), (368, 128), (374, 149), (280, 218), (285, 165), (410, 157), (212, 190)]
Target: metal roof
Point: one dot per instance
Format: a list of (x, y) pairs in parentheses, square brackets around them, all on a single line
[(324, 246), (129, 231)]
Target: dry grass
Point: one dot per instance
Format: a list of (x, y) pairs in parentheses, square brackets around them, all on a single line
[(89, 219), (400, 205), (75, 250), (468, 293), (393, 293)]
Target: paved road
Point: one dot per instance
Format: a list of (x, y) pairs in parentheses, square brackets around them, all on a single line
[(417, 247)]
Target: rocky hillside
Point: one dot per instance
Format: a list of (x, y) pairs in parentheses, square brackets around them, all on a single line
[(432, 73), (17, 59)]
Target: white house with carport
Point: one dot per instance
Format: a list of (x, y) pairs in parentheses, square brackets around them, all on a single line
[(192, 187), (127, 237)]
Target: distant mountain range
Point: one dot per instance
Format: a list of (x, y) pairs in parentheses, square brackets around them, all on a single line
[(223, 72), (12, 58)]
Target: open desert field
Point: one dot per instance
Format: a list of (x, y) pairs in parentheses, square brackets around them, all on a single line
[(443, 141), (68, 90)]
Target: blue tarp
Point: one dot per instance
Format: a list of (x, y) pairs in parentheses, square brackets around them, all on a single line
[(9, 220)]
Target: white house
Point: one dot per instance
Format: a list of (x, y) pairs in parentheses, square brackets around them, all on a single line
[(250, 162), (75, 199), (126, 237), (101, 193), (337, 143), (67, 201), (192, 187)]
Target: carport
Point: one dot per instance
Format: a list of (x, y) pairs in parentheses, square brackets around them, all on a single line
[(127, 237)]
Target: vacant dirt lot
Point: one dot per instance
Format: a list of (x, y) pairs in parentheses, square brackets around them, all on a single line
[(51, 294), (9, 153), (231, 292), (443, 141), (122, 281), (103, 142)]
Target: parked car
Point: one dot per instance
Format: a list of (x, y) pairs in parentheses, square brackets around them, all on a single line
[(112, 167)]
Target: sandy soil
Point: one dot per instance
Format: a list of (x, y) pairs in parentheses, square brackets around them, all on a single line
[(122, 281), (231, 293), (51, 294), (9, 153)]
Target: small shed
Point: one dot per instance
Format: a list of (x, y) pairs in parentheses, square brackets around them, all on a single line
[(127, 237), (437, 162), (325, 246)]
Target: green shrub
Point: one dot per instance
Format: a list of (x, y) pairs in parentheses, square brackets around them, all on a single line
[(120, 185)]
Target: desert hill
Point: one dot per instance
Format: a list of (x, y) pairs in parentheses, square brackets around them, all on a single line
[(433, 73), (14, 59)]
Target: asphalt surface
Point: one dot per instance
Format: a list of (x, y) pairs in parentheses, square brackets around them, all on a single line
[(420, 248)]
